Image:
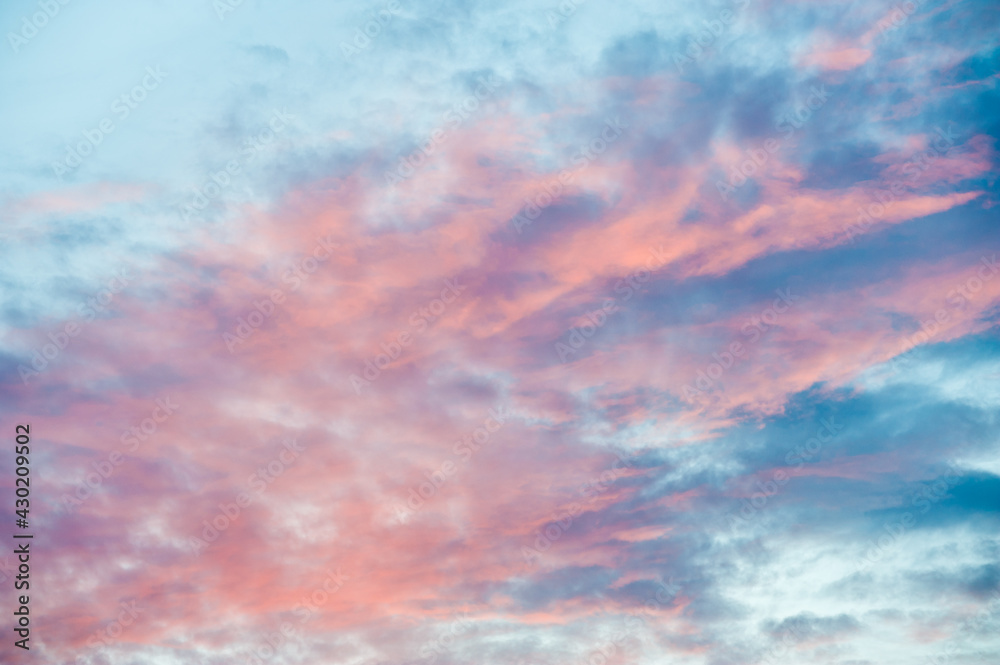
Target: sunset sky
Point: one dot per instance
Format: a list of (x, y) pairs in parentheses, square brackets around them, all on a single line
[(503, 333)]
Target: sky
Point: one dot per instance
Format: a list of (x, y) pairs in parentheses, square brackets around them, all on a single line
[(520, 333)]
